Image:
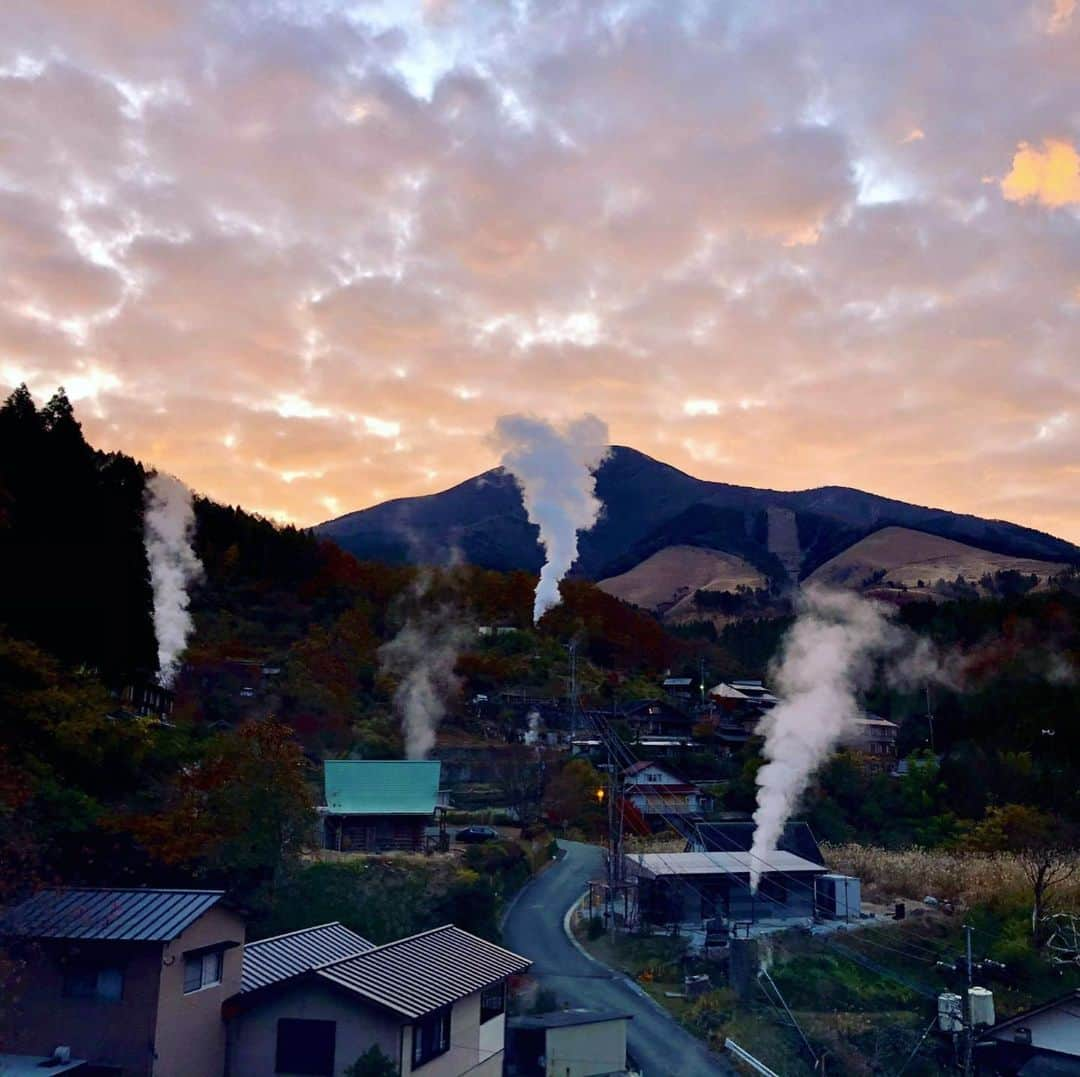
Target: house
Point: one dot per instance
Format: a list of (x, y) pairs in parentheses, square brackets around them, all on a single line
[(657, 792), (567, 1043), (1041, 1042), (656, 717), (130, 980), (678, 687), (796, 838), (874, 741), (692, 888), (314, 1001), (376, 806)]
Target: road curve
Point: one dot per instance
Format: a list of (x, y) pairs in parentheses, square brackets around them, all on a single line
[(534, 928)]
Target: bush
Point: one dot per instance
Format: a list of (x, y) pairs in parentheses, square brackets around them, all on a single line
[(373, 1063), (596, 927)]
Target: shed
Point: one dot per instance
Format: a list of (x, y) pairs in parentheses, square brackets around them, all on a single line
[(567, 1043), (379, 805), (695, 887)]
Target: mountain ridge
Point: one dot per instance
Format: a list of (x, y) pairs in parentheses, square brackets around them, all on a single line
[(648, 505)]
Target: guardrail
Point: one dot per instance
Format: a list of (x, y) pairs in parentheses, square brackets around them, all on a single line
[(749, 1059)]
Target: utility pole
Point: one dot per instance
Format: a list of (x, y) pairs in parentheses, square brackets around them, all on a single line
[(969, 1026), (572, 690), (930, 718), (701, 678)]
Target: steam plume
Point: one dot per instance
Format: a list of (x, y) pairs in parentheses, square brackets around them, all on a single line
[(423, 655), (554, 469), (168, 529), (828, 655)]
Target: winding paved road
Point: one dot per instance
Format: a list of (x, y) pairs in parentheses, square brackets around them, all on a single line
[(534, 928)]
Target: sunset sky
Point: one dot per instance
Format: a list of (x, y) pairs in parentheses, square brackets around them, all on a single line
[(304, 253)]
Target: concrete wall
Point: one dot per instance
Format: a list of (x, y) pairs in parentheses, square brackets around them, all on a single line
[(475, 1049), (190, 1034), (119, 1033), (585, 1050)]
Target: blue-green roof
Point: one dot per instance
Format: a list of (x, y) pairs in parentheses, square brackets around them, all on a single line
[(382, 787)]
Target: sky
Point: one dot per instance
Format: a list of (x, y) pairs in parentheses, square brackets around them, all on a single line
[(304, 253)]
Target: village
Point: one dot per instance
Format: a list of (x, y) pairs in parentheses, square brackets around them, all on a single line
[(666, 903)]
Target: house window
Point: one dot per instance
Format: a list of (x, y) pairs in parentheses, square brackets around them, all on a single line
[(305, 1047), (431, 1037), (492, 1001), (94, 981), (202, 970)]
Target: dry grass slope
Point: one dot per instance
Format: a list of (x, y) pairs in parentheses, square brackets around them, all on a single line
[(909, 556), (672, 575)]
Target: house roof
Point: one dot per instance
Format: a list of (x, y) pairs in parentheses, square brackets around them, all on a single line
[(567, 1018), (1048, 1034), (419, 974), (678, 682), (797, 838), (637, 768), (382, 787), (127, 915), (871, 720), (268, 961), (656, 865)]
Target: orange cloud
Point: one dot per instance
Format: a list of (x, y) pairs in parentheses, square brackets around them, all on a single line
[(1050, 175)]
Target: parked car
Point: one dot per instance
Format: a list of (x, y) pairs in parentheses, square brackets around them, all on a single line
[(473, 835)]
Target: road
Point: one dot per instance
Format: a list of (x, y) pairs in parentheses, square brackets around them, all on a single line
[(534, 928)]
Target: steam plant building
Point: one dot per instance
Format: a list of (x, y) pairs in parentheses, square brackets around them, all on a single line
[(377, 806)]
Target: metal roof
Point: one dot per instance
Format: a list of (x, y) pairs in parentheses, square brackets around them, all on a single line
[(419, 974), (382, 787), (267, 961), (567, 1018), (738, 836), (127, 915), (655, 865)]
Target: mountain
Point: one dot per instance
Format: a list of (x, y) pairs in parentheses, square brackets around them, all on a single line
[(650, 506)]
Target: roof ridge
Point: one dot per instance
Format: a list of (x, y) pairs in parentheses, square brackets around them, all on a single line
[(387, 945), (123, 890), (302, 931)]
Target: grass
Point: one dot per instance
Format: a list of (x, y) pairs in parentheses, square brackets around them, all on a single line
[(968, 878)]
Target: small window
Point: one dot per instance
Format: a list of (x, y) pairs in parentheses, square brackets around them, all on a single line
[(94, 981), (305, 1047), (202, 970), (431, 1037), (492, 1001)]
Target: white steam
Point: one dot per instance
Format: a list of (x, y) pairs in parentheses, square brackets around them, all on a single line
[(827, 657), (168, 530), (554, 469), (423, 654)]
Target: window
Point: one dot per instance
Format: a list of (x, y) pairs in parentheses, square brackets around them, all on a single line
[(431, 1037), (492, 1001), (201, 970), (94, 981), (305, 1047)]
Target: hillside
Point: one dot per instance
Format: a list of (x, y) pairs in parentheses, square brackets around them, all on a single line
[(650, 506), (907, 556), (670, 576)]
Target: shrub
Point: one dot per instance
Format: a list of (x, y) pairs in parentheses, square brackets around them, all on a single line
[(596, 927), (373, 1063)]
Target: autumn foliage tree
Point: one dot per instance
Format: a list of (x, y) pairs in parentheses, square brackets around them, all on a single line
[(241, 813)]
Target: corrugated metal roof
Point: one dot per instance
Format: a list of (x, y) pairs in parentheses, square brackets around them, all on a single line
[(267, 961), (128, 915), (419, 974), (655, 865), (382, 787)]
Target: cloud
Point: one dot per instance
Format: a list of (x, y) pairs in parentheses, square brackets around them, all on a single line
[(1050, 176), (304, 255)]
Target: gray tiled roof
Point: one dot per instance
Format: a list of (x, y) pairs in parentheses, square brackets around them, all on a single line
[(128, 915), (419, 974), (268, 961)]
